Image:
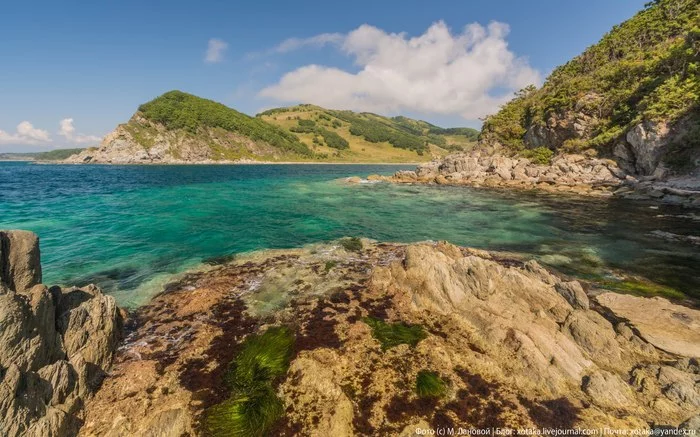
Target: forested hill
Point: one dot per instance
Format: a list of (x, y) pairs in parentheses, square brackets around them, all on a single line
[(641, 80), (178, 127)]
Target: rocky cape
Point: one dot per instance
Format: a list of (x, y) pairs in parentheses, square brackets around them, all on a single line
[(56, 344), (566, 173), (515, 345)]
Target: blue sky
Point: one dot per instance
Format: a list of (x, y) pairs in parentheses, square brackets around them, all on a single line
[(70, 71)]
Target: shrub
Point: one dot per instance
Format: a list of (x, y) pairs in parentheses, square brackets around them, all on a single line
[(333, 140), (539, 155), (430, 385), (329, 265), (253, 407), (394, 334)]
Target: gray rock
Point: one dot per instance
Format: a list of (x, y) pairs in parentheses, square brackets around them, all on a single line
[(54, 346), (20, 266), (607, 390), (647, 141)]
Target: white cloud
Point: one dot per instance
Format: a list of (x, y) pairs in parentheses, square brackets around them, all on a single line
[(26, 134), (315, 41), (469, 74), (215, 51), (67, 131)]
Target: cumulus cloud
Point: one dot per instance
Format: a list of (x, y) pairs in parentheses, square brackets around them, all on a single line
[(470, 73), (215, 51), (67, 130), (25, 133)]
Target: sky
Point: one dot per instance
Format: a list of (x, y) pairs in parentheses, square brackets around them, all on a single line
[(71, 71)]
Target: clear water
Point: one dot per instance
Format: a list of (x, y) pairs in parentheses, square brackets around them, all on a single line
[(129, 228)]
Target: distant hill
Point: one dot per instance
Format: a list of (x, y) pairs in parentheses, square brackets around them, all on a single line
[(182, 128), (364, 136), (633, 96), (51, 155)]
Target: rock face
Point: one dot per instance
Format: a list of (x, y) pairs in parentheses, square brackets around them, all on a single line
[(55, 345), (669, 327), (515, 345)]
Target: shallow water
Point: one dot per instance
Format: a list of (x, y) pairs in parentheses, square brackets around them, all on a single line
[(129, 228)]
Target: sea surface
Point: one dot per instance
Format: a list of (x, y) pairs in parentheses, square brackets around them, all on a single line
[(129, 229)]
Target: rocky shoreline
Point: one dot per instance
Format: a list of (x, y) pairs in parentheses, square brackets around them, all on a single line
[(567, 173), (508, 343)]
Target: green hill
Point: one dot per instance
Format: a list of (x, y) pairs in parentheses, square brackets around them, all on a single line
[(645, 70), (367, 137)]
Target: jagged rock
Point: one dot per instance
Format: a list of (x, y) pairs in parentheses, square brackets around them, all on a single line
[(20, 268), (42, 387), (673, 328)]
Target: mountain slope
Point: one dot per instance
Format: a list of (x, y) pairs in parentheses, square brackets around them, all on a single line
[(182, 128), (634, 95), (351, 136)]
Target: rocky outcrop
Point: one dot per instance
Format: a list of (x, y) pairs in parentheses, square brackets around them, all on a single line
[(141, 141), (574, 173), (55, 344), (570, 173), (516, 345)]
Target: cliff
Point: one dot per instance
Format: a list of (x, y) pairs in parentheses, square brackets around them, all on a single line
[(56, 345)]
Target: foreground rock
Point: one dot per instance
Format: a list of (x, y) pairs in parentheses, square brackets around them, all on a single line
[(669, 327), (55, 345), (514, 344), (566, 173)]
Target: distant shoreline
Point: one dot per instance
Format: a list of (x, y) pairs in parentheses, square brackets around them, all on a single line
[(228, 163)]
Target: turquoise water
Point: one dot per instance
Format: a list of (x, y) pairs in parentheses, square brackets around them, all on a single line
[(129, 228)]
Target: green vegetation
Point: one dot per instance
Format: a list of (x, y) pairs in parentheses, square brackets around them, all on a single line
[(178, 110), (539, 155), (394, 334), (351, 131), (352, 244), (330, 265), (253, 407), (430, 385), (647, 68)]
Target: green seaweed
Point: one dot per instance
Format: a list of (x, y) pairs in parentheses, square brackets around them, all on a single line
[(642, 288), (394, 334), (430, 385), (253, 407), (353, 244)]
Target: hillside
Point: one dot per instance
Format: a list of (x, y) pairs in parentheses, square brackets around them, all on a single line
[(632, 96), (365, 137), (182, 128)]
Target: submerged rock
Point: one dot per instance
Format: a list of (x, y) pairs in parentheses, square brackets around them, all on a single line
[(55, 345)]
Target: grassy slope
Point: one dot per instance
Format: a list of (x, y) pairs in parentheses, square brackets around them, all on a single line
[(361, 149), (647, 68)]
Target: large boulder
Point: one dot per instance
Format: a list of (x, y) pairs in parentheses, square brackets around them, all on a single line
[(55, 345)]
